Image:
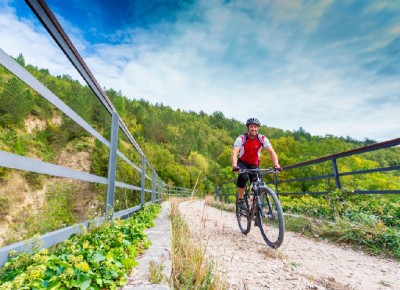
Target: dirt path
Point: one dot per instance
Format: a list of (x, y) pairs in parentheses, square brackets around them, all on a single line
[(300, 263)]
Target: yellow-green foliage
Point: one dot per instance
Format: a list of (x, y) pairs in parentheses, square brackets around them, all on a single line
[(98, 259), (182, 146)]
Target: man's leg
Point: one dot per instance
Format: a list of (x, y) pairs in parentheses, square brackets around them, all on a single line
[(241, 185), (240, 192), (241, 202)]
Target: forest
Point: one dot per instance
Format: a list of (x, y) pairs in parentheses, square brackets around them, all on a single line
[(186, 148)]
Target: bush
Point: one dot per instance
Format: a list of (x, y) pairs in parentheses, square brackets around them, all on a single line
[(35, 180), (4, 206)]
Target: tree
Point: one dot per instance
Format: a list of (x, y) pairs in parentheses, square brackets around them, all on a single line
[(20, 59), (15, 103)]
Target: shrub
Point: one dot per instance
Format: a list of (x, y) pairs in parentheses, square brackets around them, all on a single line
[(4, 206)]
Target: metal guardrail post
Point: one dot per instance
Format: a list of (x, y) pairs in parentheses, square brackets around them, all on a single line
[(112, 165), (153, 186), (143, 179), (217, 193), (276, 184), (226, 196), (157, 196), (159, 189), (336, 173)]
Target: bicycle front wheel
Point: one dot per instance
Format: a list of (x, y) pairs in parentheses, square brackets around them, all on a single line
[(270, 218), (243, 216)]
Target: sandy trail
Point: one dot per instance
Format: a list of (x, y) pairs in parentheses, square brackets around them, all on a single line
[(300, 263)]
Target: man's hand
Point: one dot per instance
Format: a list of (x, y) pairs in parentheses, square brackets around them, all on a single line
[(278, 168), (235, 168)]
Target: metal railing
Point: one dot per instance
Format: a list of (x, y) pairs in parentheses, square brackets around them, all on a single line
[(180, 192), (227, 190), (14, 161)]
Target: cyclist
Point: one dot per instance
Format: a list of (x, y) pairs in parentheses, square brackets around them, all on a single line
[(248, 146)]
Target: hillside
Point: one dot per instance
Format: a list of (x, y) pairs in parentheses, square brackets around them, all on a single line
[(183, 147)]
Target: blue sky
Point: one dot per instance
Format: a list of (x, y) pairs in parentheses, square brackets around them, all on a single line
[(331, 67)]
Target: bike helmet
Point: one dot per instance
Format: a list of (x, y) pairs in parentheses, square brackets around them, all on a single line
[(254, 121)]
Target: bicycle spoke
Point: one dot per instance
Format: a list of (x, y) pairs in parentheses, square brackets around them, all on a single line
[(270, 218), (243, 218)]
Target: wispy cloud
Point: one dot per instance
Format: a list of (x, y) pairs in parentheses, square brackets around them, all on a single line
[(23, 34), (290, 63)]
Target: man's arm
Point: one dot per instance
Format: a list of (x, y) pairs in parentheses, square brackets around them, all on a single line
[(235, 153), (274, 157)]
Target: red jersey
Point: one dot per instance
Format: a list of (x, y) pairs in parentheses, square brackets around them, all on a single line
[(250, 149)]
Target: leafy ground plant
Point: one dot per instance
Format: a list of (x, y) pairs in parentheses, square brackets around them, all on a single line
[(100, 258)]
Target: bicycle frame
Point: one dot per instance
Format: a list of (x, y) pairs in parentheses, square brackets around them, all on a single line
[(252, 190), (263, 207)]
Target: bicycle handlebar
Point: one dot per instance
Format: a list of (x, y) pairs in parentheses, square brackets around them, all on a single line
[(261, 171)]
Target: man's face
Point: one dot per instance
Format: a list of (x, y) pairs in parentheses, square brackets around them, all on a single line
[(253, 130)]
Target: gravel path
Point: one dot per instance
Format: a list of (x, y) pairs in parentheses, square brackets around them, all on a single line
[(300, 263)]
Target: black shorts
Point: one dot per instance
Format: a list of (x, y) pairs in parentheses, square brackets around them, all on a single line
[(243, 177)]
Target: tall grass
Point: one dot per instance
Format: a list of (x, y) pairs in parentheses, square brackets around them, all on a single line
[(191, 268)]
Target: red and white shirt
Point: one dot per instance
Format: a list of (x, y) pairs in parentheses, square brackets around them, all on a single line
[(250, 149)]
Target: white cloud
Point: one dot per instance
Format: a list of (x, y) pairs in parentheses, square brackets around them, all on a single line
[(23, 36), (235, 60)]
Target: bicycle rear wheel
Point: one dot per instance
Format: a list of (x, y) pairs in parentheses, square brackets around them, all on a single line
[(270, 218), (243, 216)]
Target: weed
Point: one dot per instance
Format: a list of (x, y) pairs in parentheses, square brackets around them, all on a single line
[(4, 206), (156, 272), (384, 283), (36, 181), (191, 269)]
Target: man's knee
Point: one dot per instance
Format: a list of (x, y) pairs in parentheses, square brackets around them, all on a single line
[(242, 180)]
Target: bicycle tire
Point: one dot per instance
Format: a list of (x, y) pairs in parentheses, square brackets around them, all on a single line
[(270, 218), (243, 217)]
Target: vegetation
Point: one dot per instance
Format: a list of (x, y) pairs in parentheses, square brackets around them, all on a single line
[(183, 147), (191, 269), (187, 149), (100, 258), (156, 275), (370, 222)]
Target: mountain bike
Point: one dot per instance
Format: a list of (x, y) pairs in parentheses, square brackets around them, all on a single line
[(262, 207)]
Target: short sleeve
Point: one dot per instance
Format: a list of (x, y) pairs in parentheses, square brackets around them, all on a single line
[(264, 140), (239, 141)]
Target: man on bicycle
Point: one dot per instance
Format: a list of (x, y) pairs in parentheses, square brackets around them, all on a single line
[(248, 146)]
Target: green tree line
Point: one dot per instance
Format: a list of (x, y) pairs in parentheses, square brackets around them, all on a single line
[(185, 147)]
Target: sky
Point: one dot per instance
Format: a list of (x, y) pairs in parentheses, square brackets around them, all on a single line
[(330, 67)]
